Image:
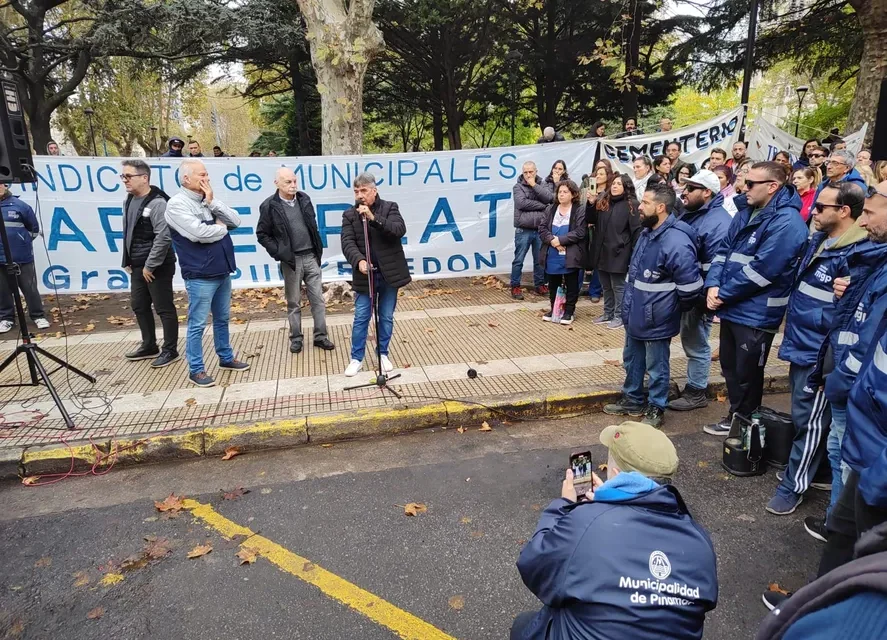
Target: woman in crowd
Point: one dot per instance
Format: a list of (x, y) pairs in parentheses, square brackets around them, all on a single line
[(785, 159), (558, 172), (881, 171), (593, 185), (740, 175), (678, 183), (805, 182), (804, 159), (617, 223), (726, 178), (662, 166), (563, 235), (643, 174), (867, 174), (597, 130)]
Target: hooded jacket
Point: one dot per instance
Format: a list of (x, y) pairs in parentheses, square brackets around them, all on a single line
[(616, 230), (663, 281), (530, 203), (573, 241), (591, 562), (811, 306), (711, 224), (21, 227), (851, 176), (755, 266), (170, 153)]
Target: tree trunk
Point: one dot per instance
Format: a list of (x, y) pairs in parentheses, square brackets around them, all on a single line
[(298, 83), (437, 115), (41, 129), (549, 119), (342, 44), (872, 65), (632, 39)]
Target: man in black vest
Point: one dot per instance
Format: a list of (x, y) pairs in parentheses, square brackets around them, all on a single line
[(149, 258), (287, 229)]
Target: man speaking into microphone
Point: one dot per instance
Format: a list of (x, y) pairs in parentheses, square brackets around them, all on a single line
[(389, 266)]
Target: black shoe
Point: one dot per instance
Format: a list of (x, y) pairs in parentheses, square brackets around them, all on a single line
[(567, 318), (816, 528), (165, 359), (624, 407), (201, 379), (721, 428), (654, 416), (324, 344), (295, 347), (234, 365), (692, 398), (774, 599), (143, 353)]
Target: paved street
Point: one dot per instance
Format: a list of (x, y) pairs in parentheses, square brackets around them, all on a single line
[(77, 549)]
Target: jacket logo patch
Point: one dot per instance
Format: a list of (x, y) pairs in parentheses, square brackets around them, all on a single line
[(752, 238), (660, 567), (647, 273), (822, 274), (860, 314)]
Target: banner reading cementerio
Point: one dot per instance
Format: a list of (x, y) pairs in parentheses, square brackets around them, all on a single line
[(457, 206)]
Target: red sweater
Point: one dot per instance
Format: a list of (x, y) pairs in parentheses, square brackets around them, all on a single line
[(807, 203)]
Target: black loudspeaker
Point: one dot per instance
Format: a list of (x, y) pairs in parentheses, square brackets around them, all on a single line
[(744, 448), (16, 161), (879, 140), (780, 432)]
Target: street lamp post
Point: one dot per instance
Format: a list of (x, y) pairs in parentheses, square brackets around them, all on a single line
[(88, 113), (154, 138), (512, 58), (802, 91)]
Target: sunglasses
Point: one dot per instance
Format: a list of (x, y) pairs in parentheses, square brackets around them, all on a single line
[(816, 155), (819, 206), (690, 188), (752, 183), (871, 192)]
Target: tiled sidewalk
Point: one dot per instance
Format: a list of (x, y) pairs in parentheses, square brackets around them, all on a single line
[(433, 347)]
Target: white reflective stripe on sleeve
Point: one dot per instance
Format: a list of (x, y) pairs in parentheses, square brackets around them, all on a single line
[(706, 266), (741, 258), (848, 337), (717, 259), (880, 359), (654, 286), (777, 302), (755, 277), (852, 363), (693, 286), (816, 292), (15, 224)]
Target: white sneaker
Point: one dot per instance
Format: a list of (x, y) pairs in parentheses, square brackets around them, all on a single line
[(5, 326), (42, 323), (387, 365), (353, 368)]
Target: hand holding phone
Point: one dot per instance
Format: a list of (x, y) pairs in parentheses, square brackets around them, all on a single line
[(580, 465)]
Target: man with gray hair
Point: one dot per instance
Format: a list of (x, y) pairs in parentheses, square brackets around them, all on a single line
[(550, 135), (531, 199), (390, 271), (287, 229), (840, 167), (200, 225), (149, 259)]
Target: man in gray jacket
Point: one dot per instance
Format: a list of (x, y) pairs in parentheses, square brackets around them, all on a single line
[(531, 199), (149, 259)]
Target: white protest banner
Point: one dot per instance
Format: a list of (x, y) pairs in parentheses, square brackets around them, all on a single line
[(457, 206), (696, 142), (766, 140)]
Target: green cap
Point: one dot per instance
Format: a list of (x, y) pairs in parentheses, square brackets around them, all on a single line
[(636, 446)]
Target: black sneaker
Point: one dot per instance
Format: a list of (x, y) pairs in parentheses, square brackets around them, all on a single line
[(567, 318), (721, 428), (690, 399), (295, 347), (325, 344), (165, 359), (624, 407), (143, 353), (774, 599), (654, 416), (816, 528), (234, 365), (201, 379)]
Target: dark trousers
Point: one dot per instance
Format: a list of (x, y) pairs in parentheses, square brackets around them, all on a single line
[(158, 292), (744, 353), (27, 283), (571, 284), (847, 521)]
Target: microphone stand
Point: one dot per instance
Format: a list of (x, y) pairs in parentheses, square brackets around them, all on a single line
[(381, 380)]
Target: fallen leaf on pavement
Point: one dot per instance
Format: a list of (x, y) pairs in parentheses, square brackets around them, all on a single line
[(485, 426), (702, 464), (96, 613), (246, 555), (111, 579), (171, 503), (30, 480), (456, 602), (602, 467), (89, 327), (614, 363), (81, 579), (156, 548), (230, 452), (134, 562), (267, 490), (492, 325), (406, 365), (474, 324), (461, 429), (429, 329), (234, 493), (774, 586), (16, 629), (414, 509), (191, 402), (465, 520), (45, 561), (326, 446), (199, 550)]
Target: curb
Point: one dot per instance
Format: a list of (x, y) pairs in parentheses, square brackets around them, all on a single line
[(202, 442)]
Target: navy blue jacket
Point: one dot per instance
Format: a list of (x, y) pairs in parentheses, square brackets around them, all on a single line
[(204, 248), (855, 327), (587, 560), (663, 281), (169, 153), (851, 176), (811, 306), (21, 227), (864, 447), (755, 266), (711, 224)]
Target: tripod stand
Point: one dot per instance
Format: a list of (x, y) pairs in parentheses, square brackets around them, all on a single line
[(381, 380), (28, 348)]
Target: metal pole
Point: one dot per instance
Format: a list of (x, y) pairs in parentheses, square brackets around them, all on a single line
[(513, 106), (89, 112), (798, 119), (749, 51)]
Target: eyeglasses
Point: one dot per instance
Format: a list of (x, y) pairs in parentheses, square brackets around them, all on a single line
[(126, 177), (752, 183), (834, 162), (871, 192), (819, 206)]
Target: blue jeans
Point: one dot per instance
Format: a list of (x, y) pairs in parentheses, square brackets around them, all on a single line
[(811, 416), (835, 438), (646, 356), (205, 296), (363, 311), (595, 290), (525, 240), (695, 330)]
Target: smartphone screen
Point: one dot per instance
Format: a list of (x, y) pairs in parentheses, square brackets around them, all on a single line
[(580, 463)]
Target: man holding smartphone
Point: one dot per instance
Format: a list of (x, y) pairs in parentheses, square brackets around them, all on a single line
[(629, 561)]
